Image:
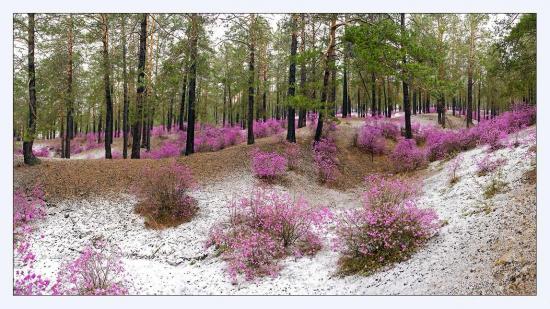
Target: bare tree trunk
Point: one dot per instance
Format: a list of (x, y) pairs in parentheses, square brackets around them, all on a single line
[(291, 130), (250, 115), (125, 124), (136, 129), (303, 76), (190, 142), (406, 100), (28, 139), (328, 57), (107, 82)]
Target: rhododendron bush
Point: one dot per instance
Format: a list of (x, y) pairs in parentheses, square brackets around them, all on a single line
[(98, 270), (488, 164), (164, 193), (370, 139), (264, 228), (406, 156), (268, 127), (268, 165), (386, 229), (325, 157)]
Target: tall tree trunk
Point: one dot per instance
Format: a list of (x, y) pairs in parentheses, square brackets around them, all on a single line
[(250, 115), (69, 99), (406, 101), (181, 116), (345, 90), (479, 101), (107, 83), (136, 129), (190, 141), (28, 139), (291, 130), (328, 56), (125, 124), (303, 77)]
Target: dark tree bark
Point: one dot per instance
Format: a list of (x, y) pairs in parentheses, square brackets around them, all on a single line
[(189, 143), (469, 100), (250, 114), (479, 101), (406, 101), (373, 91), (62, 135), (28, 139), (136, 129), (181, 116), (125, 124), (345, 90), (328, 57), (69, 99), (291, 130), (99, 128), (107, 83), (303, 77), (414, 105)]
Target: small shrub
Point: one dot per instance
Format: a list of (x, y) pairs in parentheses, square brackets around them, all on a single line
[(325, 158), (406, 156), (97, 271), (369, 139), (165, 200), (264, 228), (292, 153), (453, 168), (168, 149), (387, 229), (390, 130), (268, 165), (488, 164)]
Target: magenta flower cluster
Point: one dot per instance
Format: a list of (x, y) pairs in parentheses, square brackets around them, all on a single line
[(387, 227), (488, 164), (406, 156), (268, 165), (265, 228), (268, 127), (325, 157), (98, 270), (370, 140)]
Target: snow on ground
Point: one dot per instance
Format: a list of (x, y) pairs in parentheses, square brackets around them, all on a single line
[(173, 261)]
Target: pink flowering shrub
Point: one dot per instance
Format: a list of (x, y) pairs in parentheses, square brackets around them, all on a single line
[(370, 140), (325, 157), (168, 149), (265, 228), (26, 280), (42, 152), (165, 200), (268, 127), (488, 164), (97, 271), (292, 153), (390, 130), (28, 206), (268, 165), (406, 156), (387, 229), (441, 143)]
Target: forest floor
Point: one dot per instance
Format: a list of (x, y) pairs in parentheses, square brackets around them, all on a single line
[(487, 246)]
